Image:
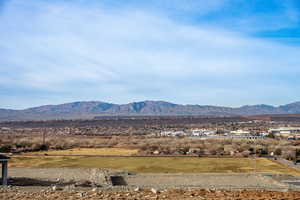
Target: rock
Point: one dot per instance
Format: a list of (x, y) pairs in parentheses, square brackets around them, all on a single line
[(69, 188), (83, 183), (80, 194), (137, 189), (94, 189), (154, 191), (156, 152), (54, 188)]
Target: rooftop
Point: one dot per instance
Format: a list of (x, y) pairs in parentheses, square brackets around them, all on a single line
[(285, 129)]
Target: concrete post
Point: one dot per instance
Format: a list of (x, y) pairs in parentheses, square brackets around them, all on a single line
[(4, 173)]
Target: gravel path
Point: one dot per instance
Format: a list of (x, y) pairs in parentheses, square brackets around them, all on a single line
[(288, 163), (204, 181)]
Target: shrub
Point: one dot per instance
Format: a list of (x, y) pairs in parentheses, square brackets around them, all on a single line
[(278, 152), (246, 153), (288, 154), (5, 148)]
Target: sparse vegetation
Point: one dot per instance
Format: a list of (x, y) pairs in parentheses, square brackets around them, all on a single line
[(149, 145), (91, 151), (140, 134)]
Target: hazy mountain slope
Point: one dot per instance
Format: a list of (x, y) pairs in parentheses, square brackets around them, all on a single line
[(257, 110), (90, 109), (291, 108)]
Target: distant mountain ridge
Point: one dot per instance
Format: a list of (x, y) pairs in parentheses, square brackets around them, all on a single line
[(91, 109)]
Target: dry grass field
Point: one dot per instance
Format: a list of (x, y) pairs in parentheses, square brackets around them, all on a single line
[(157, 164), (89, 151)]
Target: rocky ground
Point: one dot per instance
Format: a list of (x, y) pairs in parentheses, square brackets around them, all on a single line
[(58, 176), (148, 194), (78, 183), (102, 178), (204, 181)]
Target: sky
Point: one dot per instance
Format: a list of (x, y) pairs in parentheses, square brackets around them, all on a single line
[(216, 52)]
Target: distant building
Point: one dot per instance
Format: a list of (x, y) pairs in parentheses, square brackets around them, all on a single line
[(197, 132), (210, 132), (285, 130), (263, 134), (4, 128), (240, 133), (202, 132), (172, 133)]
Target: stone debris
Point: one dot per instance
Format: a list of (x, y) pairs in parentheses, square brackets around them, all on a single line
[(69, 188), (92, 184), (54, 188), (80, 194), (148, 194), (154, 191)]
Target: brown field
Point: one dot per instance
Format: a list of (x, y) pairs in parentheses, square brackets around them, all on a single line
[(89, 151), (158, 164)]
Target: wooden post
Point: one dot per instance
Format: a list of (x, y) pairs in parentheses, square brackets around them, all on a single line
[(44, 137), (4, 173)]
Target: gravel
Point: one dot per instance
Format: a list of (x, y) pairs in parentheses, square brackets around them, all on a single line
[(204, 181), (75, 179), (62, 175), (147, 194)]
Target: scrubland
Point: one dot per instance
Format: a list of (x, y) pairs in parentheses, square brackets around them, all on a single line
[(148, 145)]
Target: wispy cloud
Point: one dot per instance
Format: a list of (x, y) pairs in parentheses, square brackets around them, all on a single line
[(61, 51)]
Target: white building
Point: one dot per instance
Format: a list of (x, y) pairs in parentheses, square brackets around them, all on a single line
[(172, 133), (202, 132), (197, 132), (263, 134), (285, 130), (240, 133), (209, 132)]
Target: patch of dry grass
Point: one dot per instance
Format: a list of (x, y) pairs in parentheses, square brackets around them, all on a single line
[(158, 164), (90, 151)]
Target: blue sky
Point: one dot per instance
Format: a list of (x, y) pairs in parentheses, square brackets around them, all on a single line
[(216, 52)]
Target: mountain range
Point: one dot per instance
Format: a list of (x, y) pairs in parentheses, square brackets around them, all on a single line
[(91, 109)]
